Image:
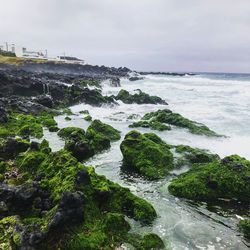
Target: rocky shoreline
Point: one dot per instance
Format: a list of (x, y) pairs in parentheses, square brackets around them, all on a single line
[(52, 200)]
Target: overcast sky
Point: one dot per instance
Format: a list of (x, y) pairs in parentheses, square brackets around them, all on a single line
[(156, 35)]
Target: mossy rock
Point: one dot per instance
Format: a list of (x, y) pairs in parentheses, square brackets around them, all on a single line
[(227, 178), (100, 135), (104, 204), (26, 125), (88, 118), (67, 118), (244, 226), (169, 117), (146, 154), (152, 241), (189, 155), (10, 148), (155, 125), (139, 98), (115, 223), (71, 132), (10, 237), (86, 112)]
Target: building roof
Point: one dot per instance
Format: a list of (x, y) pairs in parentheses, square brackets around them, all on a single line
[(69, 58)]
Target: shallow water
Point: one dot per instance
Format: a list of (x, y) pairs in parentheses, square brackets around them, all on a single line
[(222, 102)]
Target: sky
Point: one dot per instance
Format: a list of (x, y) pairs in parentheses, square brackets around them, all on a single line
[(144, 35)]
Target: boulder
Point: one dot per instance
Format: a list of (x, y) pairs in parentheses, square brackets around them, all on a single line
[(146, 154), (216, 180), (44, 100), (139, 98)]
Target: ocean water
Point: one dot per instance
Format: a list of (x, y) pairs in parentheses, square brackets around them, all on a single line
[(220, 101)]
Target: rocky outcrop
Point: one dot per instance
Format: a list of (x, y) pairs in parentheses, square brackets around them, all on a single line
[(166, 116), (54, 196), (146, 154), (84, 145), (220, 179), (139, 98)]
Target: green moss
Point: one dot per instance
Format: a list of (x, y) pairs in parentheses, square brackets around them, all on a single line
[(115, 224), (139, 98), (86, 112), (104, 203), (27, 125), (150, 157), (67, 111), (100, 134), (169, 117), (89, 82), (189, 155), (9, 237), (30, 161), (88, 118), (244, 227), (121, 200), (71, 132), (155, 125), (60, 169), (67, 118), (227, 178), (151, 241), (77, 143), (103, 129)]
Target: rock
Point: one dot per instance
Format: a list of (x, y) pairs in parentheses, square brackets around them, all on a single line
[(166, 116), (83, 177), (116, 223), (44, 100), (70, 210), (188, 155), (88, 118), (3, 115), (135, 78), (76, 142), (100, 135), (10, 233), (152, 241), (115, 82), (139, 98), (146, 154), (214, 180), (10, 148), (155, 125)]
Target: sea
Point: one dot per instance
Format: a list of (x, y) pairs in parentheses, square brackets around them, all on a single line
[(221, 101)]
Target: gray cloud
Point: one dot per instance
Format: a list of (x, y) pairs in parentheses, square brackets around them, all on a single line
[(170, 35)]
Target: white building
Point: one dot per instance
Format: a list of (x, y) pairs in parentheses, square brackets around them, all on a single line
[(8, 48), (34, 54), (70, 59)]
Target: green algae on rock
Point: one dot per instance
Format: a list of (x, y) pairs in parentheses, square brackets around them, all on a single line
[(169, 117), (188, 155), (139, 98), (100, 135), (155, 125), (244, 226), (28, 125), (146, 154), (88, 118), (84, 145), (227, 178), (10, 237), (67, 206)]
